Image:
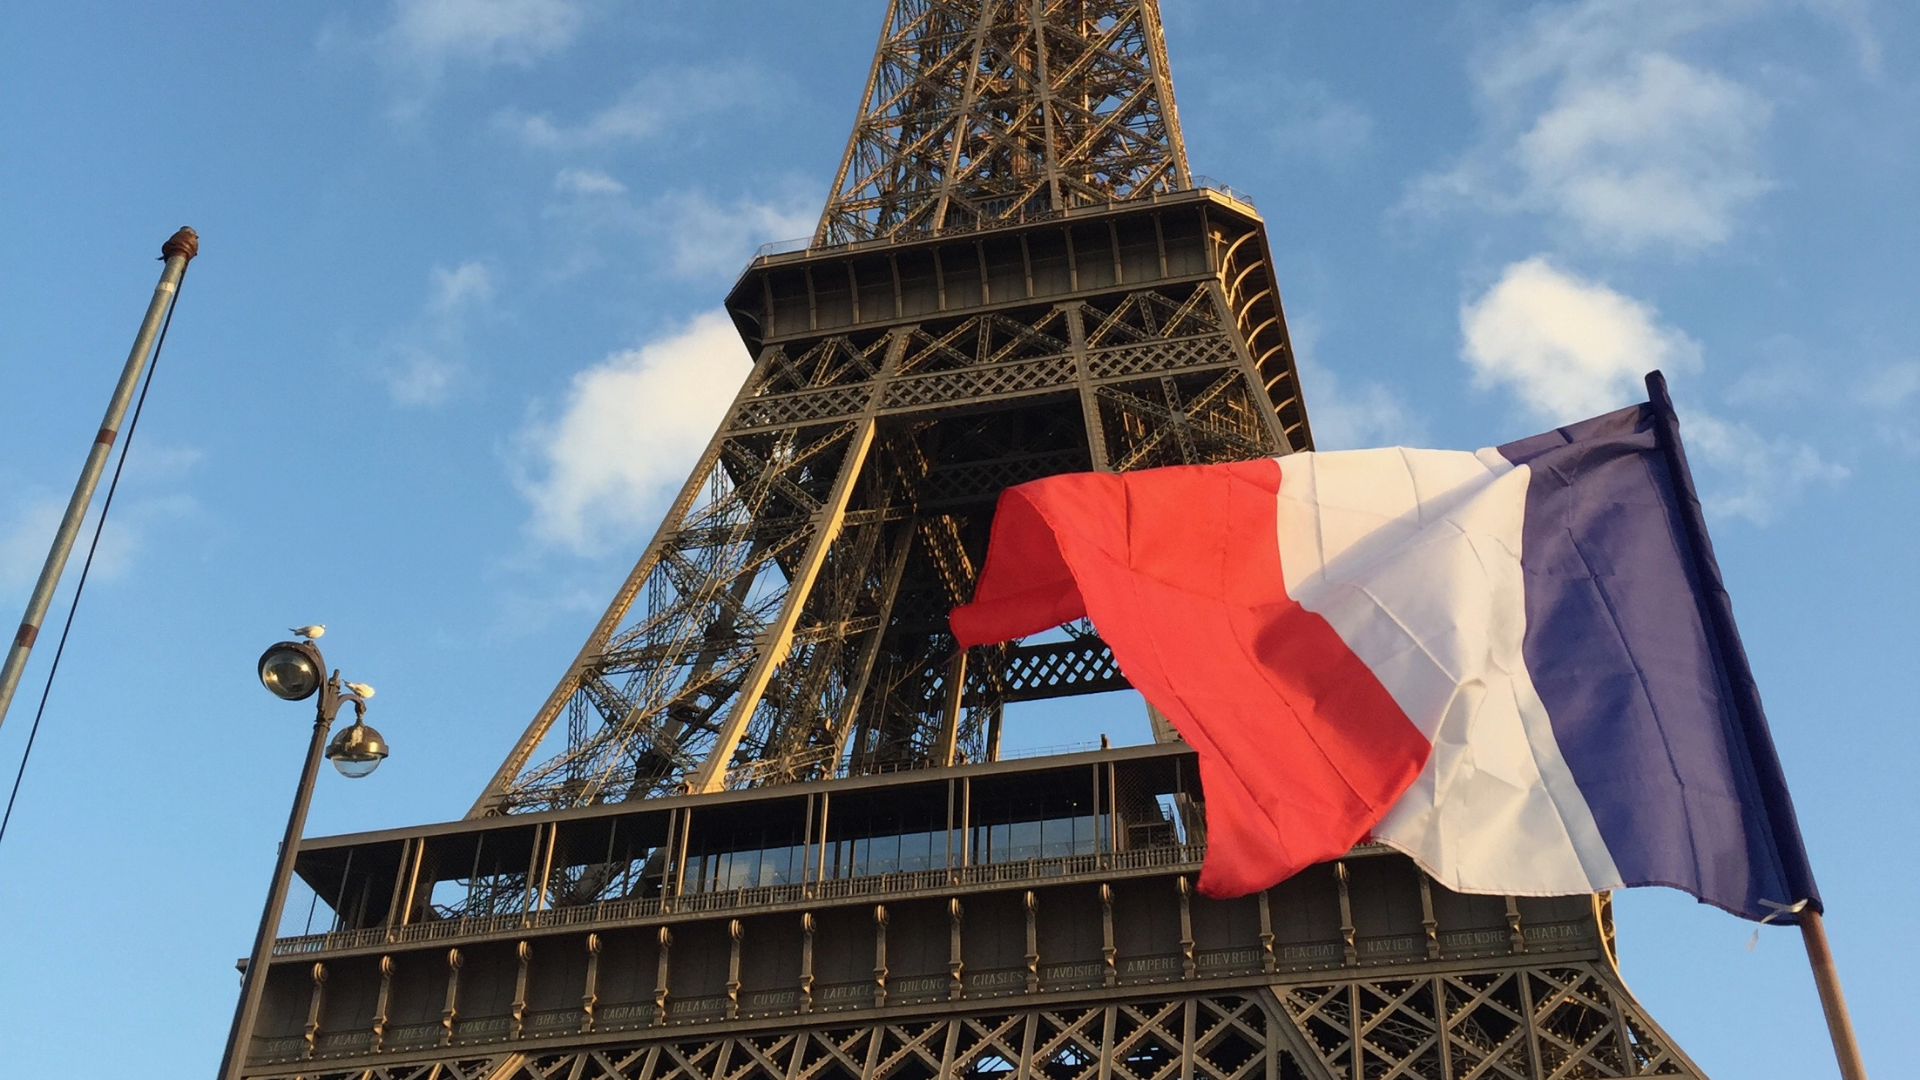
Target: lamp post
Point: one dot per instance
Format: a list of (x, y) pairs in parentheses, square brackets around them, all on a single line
[(295, 671)]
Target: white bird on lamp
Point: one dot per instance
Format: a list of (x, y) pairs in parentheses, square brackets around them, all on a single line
[(360, 689), (309, 632)]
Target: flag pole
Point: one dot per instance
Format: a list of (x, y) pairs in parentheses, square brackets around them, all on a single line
[(180, 248), (1745, 699), (1827, 978)]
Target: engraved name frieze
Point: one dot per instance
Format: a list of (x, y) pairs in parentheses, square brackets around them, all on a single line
[(1553, 933), (1072, 972), (1307, 954), (1475, 939), (1152, 965), (1227, 958), (1390, 946)]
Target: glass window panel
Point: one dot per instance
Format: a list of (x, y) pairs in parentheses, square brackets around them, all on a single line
[(1086, 834), (1056, 837), (884, 853), (999, 843), (1025, 842), (916, 851)]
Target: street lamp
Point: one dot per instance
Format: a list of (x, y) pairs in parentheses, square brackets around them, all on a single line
[(295, 671)]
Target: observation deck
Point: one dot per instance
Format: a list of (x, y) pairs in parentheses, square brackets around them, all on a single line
[(1056, 882)]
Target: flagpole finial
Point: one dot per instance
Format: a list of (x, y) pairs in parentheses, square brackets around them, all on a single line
[(185, 242)]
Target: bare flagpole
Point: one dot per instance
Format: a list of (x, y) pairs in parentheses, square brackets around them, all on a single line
[(177, 251), (1827, 978)]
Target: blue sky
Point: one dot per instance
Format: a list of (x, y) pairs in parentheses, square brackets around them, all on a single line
[(451, 342)]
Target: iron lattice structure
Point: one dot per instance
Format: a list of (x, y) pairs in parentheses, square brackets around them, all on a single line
[(984, 112), (1015, 277), (761, 831)]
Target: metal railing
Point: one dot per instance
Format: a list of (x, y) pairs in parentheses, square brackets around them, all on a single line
[(805, 243), (751, 775), (831, 889)]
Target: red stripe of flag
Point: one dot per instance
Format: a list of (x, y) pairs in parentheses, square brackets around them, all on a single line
[(1301, 749)]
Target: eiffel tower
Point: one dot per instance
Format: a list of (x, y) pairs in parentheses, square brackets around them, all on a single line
[(762, 829)]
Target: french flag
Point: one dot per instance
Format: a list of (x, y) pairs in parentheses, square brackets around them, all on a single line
[(1517, 666)]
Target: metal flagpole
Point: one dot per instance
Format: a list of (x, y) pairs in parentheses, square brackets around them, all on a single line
[(181, 247), (1827, 978)]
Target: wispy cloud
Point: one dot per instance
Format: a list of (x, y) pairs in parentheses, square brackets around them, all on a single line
[(1316, 121), (1568, 348), (25, 536), (1891, 386), (1662, 152), (429, 34), (149, 493), (707, 237), (656, 103), (1754, 473), (587, 182), (702, 236), (630, 428), (1592, 117), (430, 354), (1348, 416), (1891, 391), (1299, 117)]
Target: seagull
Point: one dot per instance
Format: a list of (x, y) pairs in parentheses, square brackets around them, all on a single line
[(361, 689), (309, 632)]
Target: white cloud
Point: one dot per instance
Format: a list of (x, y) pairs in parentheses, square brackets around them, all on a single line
[(430, 33), (428, 356), (1592, 118), (652, 105), (631, 427), (1568, 348)]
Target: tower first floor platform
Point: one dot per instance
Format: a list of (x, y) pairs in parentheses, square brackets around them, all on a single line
[(1007, 919)]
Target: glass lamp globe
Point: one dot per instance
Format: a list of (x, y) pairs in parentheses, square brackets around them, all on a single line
[(357, 751), (291, 670)]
